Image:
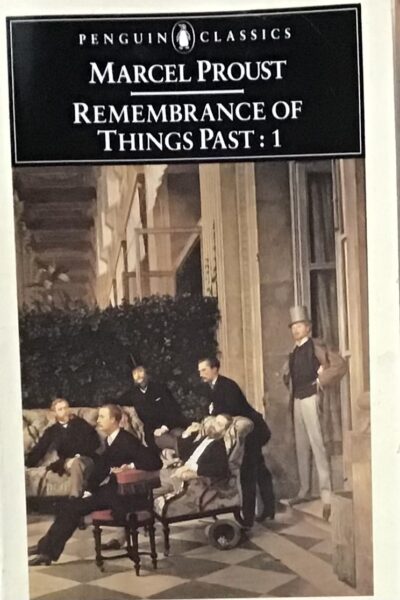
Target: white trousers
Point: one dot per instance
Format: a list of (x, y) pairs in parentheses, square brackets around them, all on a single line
[(308, 435)]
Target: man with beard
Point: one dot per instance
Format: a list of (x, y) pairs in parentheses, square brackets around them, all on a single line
[(159, 412), (75, 442), (203, 449)]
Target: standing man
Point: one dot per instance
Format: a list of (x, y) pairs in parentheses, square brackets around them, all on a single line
[(75, 442), (156, 408), (311, 367), (123, 451), (226, 397)]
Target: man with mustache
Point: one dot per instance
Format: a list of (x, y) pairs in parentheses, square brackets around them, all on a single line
[(123, 451)]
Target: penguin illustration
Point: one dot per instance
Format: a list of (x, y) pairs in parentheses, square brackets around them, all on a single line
[(183, 37)]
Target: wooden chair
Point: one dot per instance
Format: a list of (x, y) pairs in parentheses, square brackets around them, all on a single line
[(130, 483)]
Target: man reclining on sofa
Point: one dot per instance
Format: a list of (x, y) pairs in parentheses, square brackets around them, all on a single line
[(75, 442), (202, 449)]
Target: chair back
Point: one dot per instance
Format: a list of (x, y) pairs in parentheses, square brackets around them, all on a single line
[(234, 440)]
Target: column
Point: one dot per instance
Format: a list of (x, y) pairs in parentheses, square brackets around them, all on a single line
[(230, 270)]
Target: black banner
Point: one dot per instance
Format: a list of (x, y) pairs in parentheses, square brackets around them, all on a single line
[(237, 86)]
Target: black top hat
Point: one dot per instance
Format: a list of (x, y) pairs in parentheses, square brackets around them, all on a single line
[(135, 361)]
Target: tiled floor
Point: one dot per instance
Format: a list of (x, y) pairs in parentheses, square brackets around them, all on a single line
[(288, 557)]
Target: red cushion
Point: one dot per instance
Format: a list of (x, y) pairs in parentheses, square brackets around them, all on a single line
[(106, 515), (134, 475), (132, 482), (102, 515)]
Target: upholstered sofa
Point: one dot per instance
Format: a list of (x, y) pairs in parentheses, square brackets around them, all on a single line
[(203, 497), (46, 484)]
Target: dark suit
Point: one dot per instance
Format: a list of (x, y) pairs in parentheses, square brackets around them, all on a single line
[(155, 407), (228, 398), (78, 437), (125, 449), (213, 462)]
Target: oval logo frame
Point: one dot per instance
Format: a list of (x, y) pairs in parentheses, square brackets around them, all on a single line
[(183, 37)]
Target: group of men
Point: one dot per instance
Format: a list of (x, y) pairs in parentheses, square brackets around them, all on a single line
[(311, 367)]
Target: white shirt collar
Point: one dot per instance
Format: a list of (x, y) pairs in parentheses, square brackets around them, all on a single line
[(143, 390), (112, 436), (302, 341)]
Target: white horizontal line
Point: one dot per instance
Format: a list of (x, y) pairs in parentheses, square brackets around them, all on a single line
[(186, 160), (188, 92)]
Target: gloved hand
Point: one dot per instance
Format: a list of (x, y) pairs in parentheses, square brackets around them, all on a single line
[(57, 467)]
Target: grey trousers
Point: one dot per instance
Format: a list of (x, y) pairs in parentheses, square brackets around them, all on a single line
[(79, 469), (308, 435)]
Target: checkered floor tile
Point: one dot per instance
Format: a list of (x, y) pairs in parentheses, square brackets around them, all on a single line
[(284, 558)]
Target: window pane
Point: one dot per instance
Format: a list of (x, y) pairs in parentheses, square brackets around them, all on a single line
[(324, 306), (321, 222)]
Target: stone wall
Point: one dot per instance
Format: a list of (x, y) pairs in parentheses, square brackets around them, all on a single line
[(276, 287)]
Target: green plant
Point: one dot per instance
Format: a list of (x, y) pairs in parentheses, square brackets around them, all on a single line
[(83, 353)]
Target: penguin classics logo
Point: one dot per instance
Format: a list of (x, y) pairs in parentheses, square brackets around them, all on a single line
[(183, 37)]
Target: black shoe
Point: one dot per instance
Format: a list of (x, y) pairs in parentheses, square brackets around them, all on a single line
[(246, 525), (111, 545), (40, 559), (32, 550), (266, 514)]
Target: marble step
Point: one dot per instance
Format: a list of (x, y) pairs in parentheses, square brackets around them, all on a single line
[(311, 511)]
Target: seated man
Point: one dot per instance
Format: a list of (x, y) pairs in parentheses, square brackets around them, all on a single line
[(123, 451), (202, 449), (156, 408), (75, 442)]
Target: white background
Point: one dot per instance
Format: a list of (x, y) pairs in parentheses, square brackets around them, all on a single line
[(382, 221)]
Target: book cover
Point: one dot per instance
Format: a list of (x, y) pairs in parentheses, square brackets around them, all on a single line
[(175, 180)]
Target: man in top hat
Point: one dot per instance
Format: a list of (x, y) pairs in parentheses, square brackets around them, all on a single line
[(311, 368), (156, 408)]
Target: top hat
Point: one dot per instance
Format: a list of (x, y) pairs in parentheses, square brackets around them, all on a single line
[(134, 361), (299, 314)]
